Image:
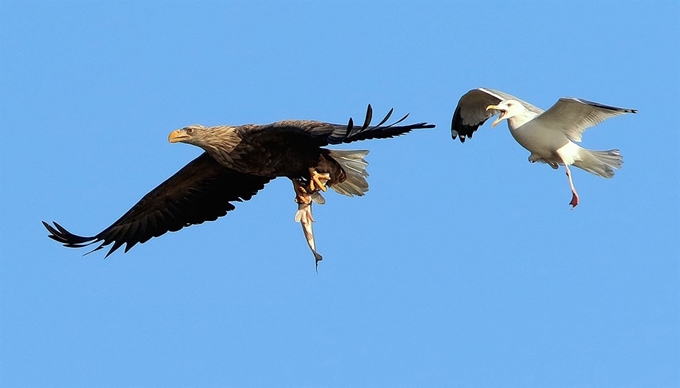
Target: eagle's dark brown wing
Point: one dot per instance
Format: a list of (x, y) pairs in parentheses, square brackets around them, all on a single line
[(322, 134), (201, 191)]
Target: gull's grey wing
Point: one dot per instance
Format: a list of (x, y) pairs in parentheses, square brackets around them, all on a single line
[(574, 115), (471, 111)]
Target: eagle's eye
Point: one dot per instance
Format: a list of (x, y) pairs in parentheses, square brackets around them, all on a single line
[(189, 130)]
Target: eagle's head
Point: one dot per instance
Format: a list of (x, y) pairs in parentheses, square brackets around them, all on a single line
[(195, 134)]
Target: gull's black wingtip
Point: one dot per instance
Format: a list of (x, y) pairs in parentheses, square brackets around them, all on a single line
[(607, 107)]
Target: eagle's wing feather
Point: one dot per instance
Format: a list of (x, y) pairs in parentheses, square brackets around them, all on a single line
[(203, 190), (322, 134)]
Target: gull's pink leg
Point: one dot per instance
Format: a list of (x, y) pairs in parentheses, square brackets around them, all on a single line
[(574, 195)]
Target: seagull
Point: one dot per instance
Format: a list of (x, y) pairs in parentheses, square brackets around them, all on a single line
[(550, 136)]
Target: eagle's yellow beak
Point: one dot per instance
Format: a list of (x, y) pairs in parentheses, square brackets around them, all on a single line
[(177, 136), (500, 116)]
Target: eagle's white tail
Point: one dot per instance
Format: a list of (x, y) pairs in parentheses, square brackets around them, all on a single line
[(601, 163), (354, 164)]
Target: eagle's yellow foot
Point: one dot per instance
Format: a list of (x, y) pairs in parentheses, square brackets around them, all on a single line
[(318, 181), (302, 194), (303, 197)]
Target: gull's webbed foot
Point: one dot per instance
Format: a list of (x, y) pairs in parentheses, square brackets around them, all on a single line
[(574, 199)]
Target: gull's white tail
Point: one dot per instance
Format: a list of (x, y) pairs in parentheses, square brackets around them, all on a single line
[(601, 163), (354, 164)]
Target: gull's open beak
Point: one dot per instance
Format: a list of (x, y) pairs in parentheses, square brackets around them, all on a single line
[(176, 136), (500, 116)]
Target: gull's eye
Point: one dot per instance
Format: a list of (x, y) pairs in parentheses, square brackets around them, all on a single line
[(509, 103)]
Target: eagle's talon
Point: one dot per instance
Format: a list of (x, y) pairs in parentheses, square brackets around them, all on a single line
[(302, 194), (317, 181)]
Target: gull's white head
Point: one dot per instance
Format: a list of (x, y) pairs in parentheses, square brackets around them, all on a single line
[(507, 109)]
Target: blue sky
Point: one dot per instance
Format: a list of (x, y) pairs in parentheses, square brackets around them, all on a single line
[(462, 266)]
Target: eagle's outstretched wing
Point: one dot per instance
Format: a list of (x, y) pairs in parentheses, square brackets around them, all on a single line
[(203, 190), (321, 133)]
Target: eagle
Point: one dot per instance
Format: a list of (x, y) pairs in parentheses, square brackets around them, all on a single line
[(550, 136), (237, 162)]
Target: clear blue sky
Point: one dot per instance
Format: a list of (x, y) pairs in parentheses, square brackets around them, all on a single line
[(463, 266)]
